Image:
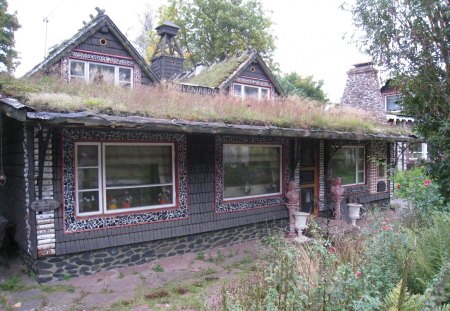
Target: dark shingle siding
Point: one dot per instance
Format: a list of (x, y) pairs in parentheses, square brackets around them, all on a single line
[(202, 216), (12, 194)]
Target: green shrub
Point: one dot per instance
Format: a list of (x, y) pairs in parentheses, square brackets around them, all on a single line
[(422, 192)]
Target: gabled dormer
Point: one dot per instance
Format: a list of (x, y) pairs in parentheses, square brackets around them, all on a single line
[(98, 53), (245, 75)]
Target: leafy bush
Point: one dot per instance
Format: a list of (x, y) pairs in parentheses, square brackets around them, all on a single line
[(423, 193), (347, 273)]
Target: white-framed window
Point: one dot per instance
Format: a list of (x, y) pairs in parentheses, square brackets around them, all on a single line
[(417, 151), (348, 163), (101, 73), (251, 171), (251, 91), (122, 177), (393, 103)]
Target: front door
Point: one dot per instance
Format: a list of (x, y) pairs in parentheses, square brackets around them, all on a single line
[(309, 177)]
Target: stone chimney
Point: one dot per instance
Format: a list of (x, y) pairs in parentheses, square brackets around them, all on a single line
[(362, 91), (167, 60)]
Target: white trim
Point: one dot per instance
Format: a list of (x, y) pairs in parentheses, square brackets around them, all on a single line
[(386, 103), (87, 70), (102, 180), (259, 97), (99, 179), (356, 165), (280, 147)]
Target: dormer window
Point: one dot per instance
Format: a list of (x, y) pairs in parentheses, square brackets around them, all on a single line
[(393, 103), (101, 73), (251, 91)]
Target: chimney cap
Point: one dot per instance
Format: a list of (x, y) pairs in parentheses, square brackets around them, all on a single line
[(364, 64), (167, 28)]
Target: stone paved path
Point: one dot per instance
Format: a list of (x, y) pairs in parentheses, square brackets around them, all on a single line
[(100, 291)]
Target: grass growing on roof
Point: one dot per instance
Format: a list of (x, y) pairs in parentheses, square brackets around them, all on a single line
[(54, 95), (214, 75)]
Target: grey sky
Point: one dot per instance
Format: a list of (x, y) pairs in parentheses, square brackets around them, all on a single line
[(309, 33)]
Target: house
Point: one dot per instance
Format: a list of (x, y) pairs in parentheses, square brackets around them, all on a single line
[(363, 91), (94, 190), (408, 154)]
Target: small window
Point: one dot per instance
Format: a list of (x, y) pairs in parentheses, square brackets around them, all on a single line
[(251, 92), (118, 177), (251, 171), (237, 88), (101, 73), (348, 163), (393, 103), (417, 151), (77, 70), (125, 77)]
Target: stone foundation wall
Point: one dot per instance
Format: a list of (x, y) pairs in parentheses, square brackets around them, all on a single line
[(85, 263)]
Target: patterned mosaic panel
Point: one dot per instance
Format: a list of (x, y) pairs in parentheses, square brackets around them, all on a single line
[(251, 81), (74, 224), (246, 204)]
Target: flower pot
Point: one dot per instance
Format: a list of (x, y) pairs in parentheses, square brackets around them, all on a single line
[(353, 212), (301, 219)]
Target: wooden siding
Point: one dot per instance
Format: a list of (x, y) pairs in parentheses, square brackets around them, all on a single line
[(112, 47), (202, 217), (166, 67), (258, 74), (13, 195)]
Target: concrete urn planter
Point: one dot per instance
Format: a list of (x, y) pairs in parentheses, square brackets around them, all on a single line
[(354, 210), (301, 219)]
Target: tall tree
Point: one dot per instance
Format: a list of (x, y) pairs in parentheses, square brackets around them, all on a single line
[(147, 38), (411, 39), (213, 29), (297, 85), (9, 24)]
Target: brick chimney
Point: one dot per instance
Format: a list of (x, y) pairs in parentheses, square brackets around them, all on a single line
[(167, 60), (362, 91)]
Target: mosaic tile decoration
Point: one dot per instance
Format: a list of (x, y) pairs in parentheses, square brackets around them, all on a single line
[(246, 204), (73, 224)]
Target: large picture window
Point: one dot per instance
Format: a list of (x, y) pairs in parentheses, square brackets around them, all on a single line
[(348, 163), (120, 177), (101, 73), (251, 171)]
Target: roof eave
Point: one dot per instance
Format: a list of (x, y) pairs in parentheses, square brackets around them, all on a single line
[(85, 118)]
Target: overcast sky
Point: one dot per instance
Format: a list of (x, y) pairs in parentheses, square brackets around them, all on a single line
[(309, 33)]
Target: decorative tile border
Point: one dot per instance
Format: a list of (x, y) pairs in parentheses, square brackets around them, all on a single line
[(73, 224), (251, 203), (251, 81)]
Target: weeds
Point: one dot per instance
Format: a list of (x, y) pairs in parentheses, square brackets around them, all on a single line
[(162, 102), (57, 288), (67, 277), (12, 284), (158, 268), (200, 255)]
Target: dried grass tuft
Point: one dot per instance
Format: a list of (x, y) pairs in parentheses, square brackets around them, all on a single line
[(163, 102)]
